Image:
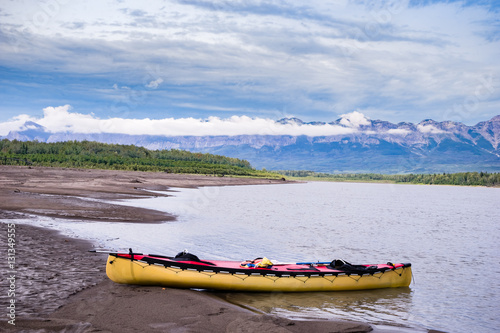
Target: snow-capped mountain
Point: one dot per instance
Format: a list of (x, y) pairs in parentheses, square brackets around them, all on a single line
[(364, 146)]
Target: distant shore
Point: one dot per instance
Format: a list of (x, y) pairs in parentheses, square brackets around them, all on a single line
[(387, 180)]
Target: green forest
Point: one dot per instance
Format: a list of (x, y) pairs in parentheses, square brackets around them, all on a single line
[(95, 155), (461, 178)]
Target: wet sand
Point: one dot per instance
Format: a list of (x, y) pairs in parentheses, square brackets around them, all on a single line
[(60, 287), (79, 193)]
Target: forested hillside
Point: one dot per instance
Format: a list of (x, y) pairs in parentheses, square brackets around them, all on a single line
[(86, 154)]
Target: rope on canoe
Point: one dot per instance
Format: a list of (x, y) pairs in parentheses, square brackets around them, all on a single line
[(272, 276)]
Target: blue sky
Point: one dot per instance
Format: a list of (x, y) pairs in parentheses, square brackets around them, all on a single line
[(315, 60)]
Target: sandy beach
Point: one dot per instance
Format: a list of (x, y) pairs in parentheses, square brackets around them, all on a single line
[(61, 287), (64, 193)]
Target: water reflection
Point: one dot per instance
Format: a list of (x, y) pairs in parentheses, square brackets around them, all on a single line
[(381, 306)]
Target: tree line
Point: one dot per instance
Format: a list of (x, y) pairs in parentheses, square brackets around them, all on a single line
[(460, 178), (96, 155)]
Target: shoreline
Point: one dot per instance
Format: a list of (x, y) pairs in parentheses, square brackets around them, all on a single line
[(361, 181), (87, 194), (65, 288)]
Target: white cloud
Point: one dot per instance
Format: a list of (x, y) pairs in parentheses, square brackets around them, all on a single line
[(356, 54), (16, 124), (429, 129), (60, 119), (354, 119), (155, 83), (398, 131)]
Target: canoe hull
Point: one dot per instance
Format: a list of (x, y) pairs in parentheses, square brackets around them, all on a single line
[(127, 271)]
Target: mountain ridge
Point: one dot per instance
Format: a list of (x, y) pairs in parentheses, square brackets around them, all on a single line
[(363, 145)]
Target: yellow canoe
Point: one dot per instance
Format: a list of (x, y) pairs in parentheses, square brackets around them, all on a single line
[(190, 272)]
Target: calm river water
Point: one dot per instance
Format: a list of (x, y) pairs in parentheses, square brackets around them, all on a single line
[(450, 234)]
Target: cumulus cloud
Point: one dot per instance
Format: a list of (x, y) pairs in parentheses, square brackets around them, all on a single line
[(15, 124), (61, 119), (429, 129), (354, 119)]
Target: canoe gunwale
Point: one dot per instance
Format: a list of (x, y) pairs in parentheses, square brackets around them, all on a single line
[(202, 267)]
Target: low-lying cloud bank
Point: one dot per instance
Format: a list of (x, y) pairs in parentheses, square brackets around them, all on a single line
[(60, 119)]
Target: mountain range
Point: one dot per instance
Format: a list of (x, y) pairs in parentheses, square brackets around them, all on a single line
[(366, 146)]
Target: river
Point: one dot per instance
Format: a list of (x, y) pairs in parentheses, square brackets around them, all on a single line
[(450, 234)]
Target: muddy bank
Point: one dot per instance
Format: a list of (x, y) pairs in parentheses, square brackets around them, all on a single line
[(60, 287), (80, 193)]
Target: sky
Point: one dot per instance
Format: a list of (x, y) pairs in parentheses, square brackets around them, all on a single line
[(248, 61)]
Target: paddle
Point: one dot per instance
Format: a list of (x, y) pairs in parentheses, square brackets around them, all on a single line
[(274, 264), (116, 252), (302, 263)]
